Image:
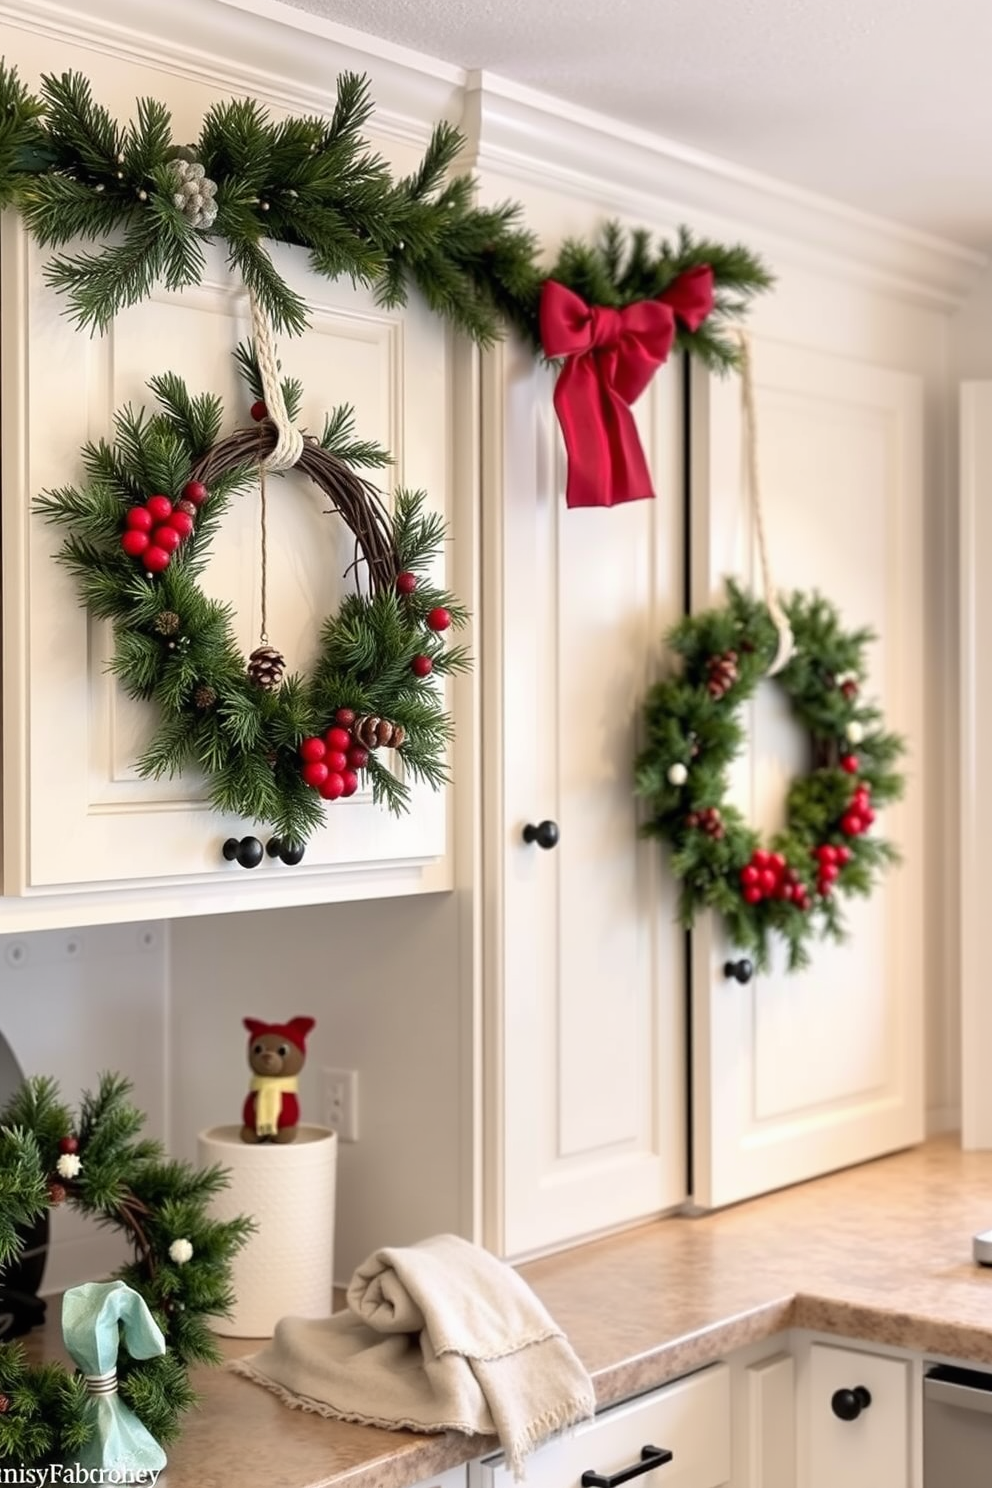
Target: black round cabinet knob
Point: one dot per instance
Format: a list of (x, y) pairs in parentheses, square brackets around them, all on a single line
[(286, 850), (545, 834), (847, 1405), (741, 971), (248, 852)]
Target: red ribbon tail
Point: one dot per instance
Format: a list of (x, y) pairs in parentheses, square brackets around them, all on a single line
[(606, 463)]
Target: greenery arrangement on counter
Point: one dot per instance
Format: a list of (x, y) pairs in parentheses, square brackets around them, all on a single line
[(274, 748), (99, 1163), (72, 171), (789, 886)]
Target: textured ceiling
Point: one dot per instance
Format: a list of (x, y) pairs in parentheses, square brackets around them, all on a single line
[(884, 104)]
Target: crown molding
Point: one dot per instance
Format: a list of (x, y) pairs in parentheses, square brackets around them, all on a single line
[(286, 58), (530, 137)]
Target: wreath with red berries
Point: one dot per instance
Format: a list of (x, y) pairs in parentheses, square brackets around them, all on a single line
[(273, 748), (98, 1162), (828, 849)]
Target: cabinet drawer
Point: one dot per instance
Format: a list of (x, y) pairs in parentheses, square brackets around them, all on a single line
[(871, 1451), (691, 1418)]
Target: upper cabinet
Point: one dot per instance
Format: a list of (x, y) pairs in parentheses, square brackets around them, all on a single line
[(77, 816), (584, 959), (798, 1073)]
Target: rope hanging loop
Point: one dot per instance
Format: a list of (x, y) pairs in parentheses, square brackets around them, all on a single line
[(289, 444), (786, 644)]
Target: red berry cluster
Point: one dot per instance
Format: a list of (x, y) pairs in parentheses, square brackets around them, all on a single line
[(830, 861), (768, 876), (155, 530), (331, 764), (859, 814), (437, 619)]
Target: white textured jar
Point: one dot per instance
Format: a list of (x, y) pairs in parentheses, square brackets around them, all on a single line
[(286, 1269)]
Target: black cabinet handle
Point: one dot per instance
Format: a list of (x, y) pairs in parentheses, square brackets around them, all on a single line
[(741, 971), (847, 1405), (545, 834), (651, 1457)]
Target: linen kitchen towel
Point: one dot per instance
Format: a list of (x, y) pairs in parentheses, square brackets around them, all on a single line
[(437, 1336)]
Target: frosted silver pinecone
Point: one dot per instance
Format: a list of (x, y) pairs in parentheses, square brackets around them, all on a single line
[(265, 667), (193, 193)]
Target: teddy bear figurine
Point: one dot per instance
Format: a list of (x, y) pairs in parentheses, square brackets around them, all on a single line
[(276, 1054)]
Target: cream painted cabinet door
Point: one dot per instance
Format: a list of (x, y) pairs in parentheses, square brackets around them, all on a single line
[(858, 1424), (794, 1075), (583, 962), (76, 812)]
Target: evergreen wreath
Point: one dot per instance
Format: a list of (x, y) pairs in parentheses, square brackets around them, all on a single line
[(72, 171), (100, 1164), (790, 885), (272, 749)]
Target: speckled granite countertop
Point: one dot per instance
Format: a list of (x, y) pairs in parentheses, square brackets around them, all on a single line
[(881, 1252)]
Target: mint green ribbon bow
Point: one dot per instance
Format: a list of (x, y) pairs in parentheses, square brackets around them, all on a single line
[(90, 1317)]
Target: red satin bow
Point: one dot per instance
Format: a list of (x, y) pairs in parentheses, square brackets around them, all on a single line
[(611, 356)]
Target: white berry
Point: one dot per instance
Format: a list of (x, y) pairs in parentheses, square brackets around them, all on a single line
[(855, 731), (677, 774), (68, 1165), (180, 1251)]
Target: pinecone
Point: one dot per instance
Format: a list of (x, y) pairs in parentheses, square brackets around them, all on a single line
[(722, 674), (4, 1404), (265, 667), (167, 623), (708, 821), (193, 192), (56, 1193), (188, 507), (204, 697), (378, 733)]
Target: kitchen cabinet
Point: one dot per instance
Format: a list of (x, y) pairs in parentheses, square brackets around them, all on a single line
[(689, 1419), (456, 1478), (583, 959), (796, 1074), (76, 814), (858, 1428)]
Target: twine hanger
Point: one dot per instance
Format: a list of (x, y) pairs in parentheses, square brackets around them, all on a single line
[(786, 644)]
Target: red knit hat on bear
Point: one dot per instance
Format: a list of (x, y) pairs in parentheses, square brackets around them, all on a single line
[(295, 1030)]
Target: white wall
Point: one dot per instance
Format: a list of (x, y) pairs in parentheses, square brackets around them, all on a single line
[(382, 981), (76, 1003)]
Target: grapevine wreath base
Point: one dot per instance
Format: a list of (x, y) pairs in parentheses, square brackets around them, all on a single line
[(98, 1163), (274, 748), (827, 849)]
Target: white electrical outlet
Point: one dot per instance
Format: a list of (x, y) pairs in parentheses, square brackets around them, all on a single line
[(341, 1103)]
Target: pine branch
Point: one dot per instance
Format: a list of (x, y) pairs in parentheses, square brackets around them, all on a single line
[(22, 140), (338, 436)]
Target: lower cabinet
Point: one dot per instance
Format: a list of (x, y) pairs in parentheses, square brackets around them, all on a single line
[(456, 1478), (688, 1419), (859, 1419)]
